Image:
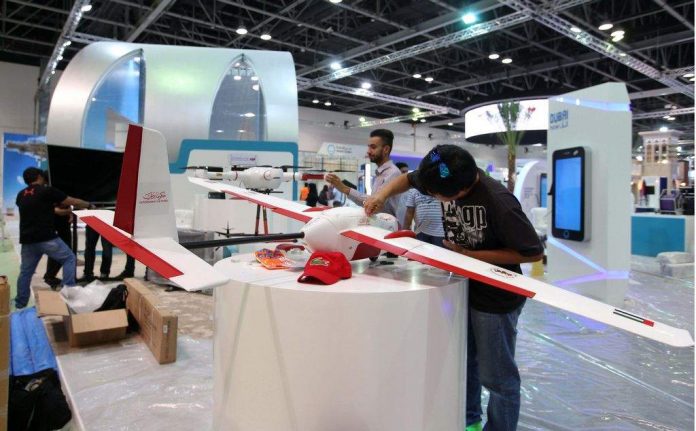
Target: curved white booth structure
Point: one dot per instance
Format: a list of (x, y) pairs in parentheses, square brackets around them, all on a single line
[(384, 350), (177, 90)]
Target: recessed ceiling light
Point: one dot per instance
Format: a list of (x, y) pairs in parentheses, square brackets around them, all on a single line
[(362, 119), (250, 115), (335, 1), (450, 124), (254, 78), (575, 29), (692, 79), (422, 120), (237, 78), (469, 18), (617, 33), (494, 56), (241, 30), (315, 101), (688, 75), (665, 116), (266, 36), (365, 85), (60, 58), (335, 65), (606, 26), (415, 110), (417, 75), (255, 87), (671, 118), (327, 103), (622, 54), (538, 144), (428, 79), (617, 38), (507, 60), (86, 8), (241, 130), (219, 131)]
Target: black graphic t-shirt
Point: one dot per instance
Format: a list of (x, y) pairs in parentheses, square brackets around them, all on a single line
[(489, 218), (36, 215)]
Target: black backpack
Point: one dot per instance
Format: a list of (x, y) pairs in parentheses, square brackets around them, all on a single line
[(116, 299), (37, 403)]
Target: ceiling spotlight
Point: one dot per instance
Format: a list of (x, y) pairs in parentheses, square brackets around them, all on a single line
[(237, 78), (241, 30), (335, 65), (86, 8), (254, 78), (415, 110), (315, 101), (335, 1), (255, 87), (622, 54), (606, 26), (428, 79), (617, 33), (422, 120), (365, 85), (663, 129), (671, 118), (575, 29), (507, 60), (450, 124), (241, 130), (219, 131), (679, 148), (362, 119), (266, 36), (417, 75), (617, 38), (688, 75), (692, 79), (60, 57), (469, 18), (665, 117), (494, 56), (327, 103), (250, 115)]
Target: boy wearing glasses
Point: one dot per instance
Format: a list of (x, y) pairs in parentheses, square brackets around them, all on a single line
[(482, 220)]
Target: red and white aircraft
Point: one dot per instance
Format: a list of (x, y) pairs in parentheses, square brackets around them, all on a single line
[(143, 226)]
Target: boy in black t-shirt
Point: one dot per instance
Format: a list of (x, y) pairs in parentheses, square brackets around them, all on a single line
[(483, 220), (37, 232)]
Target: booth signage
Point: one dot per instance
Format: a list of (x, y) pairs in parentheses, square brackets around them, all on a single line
[(558, 120), (342, 150)]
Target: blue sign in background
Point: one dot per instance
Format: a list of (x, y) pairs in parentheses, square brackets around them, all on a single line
[(15, 161)]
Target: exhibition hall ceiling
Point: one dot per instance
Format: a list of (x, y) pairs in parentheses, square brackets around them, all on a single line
[(385, 49)]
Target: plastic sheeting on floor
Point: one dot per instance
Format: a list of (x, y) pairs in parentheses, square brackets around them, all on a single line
[(120, 387), (579, 374)]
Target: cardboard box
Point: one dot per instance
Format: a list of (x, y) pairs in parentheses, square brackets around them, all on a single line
[(83, 329), (158, 327), (4, 350)]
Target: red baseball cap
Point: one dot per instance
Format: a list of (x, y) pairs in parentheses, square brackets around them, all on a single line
[(326, 267)]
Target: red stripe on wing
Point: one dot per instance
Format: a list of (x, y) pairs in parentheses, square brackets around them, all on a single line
[(132, 248), (436, 263), (282, 211)]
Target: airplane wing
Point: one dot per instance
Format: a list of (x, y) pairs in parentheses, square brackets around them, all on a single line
[(163, 255), (294, 210), (475, 269)]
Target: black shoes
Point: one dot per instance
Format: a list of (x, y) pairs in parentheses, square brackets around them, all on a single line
[(53, 282), (123, 275), (86, 278)]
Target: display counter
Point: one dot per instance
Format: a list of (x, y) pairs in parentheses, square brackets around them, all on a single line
[(384, 350), (652, 233)]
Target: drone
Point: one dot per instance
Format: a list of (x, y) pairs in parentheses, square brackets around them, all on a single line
[(263, 178), (143, 226)]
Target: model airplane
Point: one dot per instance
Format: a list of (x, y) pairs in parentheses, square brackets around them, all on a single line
[(143, 227)]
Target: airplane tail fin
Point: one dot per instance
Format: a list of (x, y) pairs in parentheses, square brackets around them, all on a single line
[(144, 206)]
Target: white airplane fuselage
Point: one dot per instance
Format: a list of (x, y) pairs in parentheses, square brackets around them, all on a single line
[(323, 233), (255, 178)]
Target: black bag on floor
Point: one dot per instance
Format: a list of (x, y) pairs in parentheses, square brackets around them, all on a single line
[(37, 403), (115, 300)]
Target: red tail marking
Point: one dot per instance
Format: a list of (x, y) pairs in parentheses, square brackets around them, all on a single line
[(124, 218), (132, 248)]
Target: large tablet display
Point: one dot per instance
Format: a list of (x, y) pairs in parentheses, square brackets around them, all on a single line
[(570, 200)]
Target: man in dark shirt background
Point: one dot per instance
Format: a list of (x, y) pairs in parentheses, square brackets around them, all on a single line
[(37, 232), (482, 220)]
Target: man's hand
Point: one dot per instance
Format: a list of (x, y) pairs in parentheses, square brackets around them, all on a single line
[(335, 181), (454, 247), (373, 204)]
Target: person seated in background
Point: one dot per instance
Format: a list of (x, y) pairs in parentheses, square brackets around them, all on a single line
[(304, 191), (403, 167), (312, 196), (324, 196), (427, 213), (91, 239), (37, 232)]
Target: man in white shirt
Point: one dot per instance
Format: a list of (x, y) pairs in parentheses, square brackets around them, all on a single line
[(378, 151)]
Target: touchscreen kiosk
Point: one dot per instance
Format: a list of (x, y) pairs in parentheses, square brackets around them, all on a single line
[(570, 202)]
